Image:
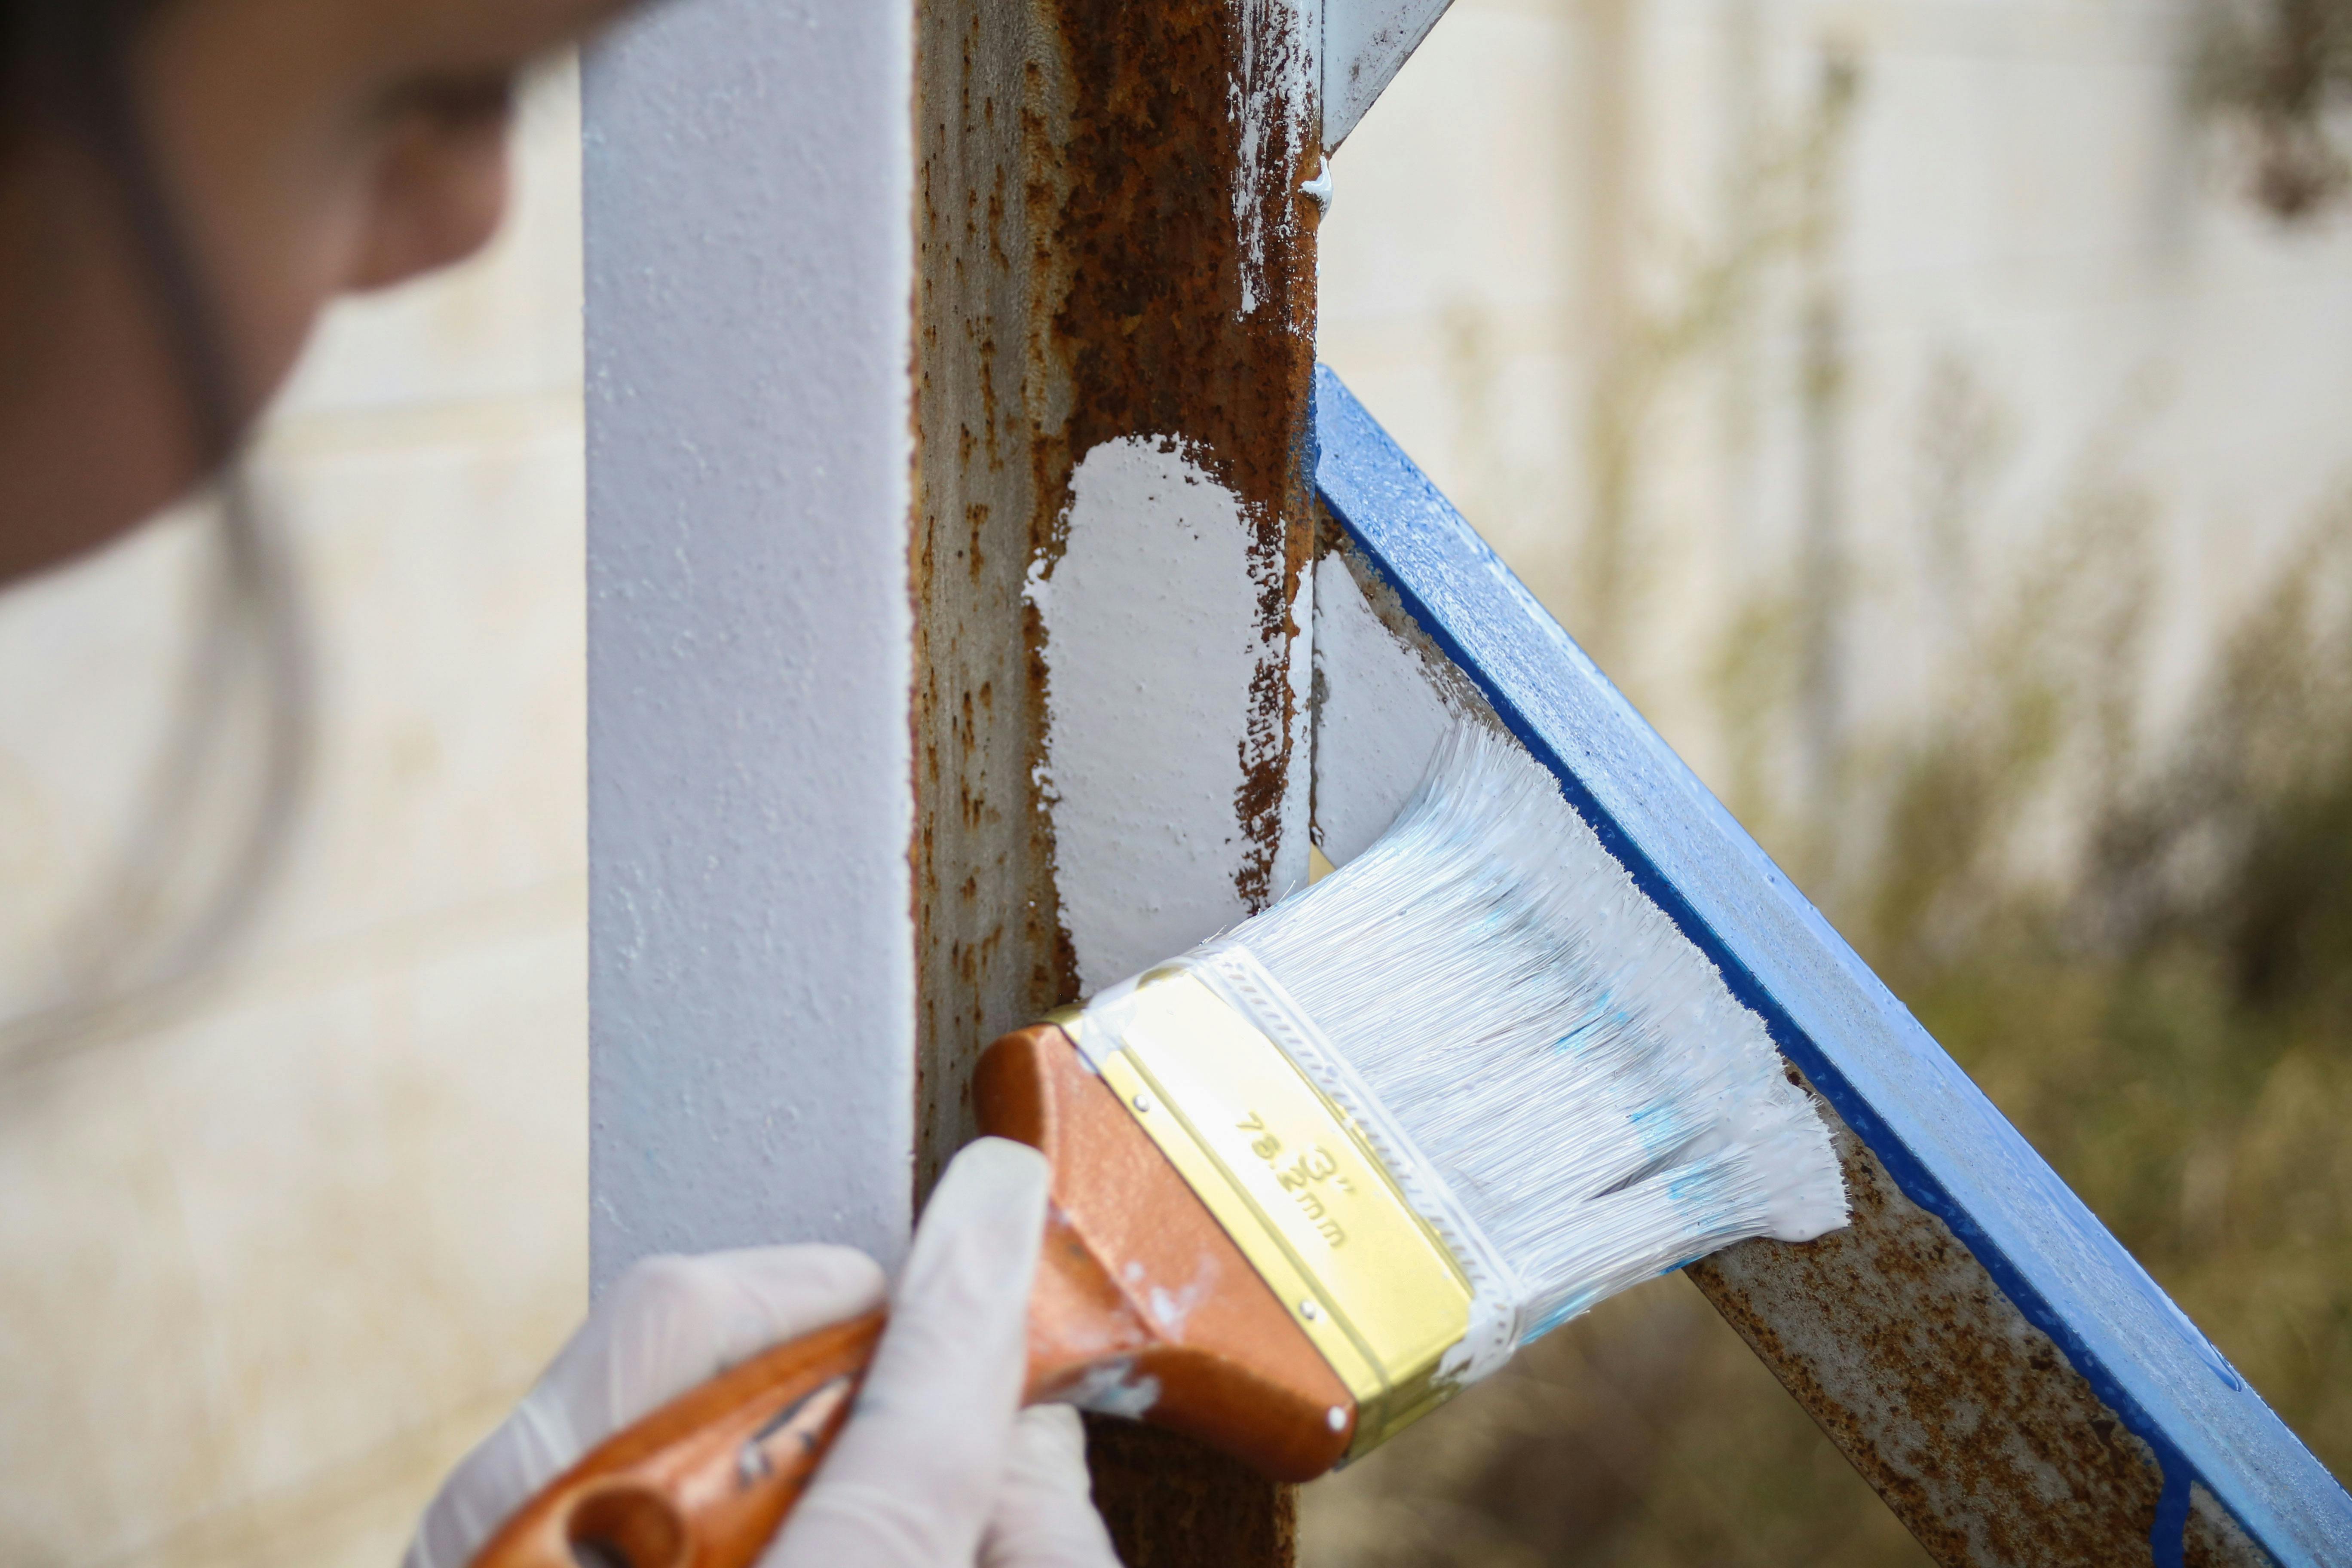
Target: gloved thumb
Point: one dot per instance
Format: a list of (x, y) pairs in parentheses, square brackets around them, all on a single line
[(913, 1475)]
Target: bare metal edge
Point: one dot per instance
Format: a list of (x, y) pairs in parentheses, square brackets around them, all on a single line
[(1365, 43)]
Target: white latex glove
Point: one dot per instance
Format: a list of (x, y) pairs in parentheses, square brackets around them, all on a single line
[(937, 1468)]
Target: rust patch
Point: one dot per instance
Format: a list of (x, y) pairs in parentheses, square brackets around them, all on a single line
[(1966, 1418), (986, 917), (1164, 319), (1171, 1502), (1082, 279)]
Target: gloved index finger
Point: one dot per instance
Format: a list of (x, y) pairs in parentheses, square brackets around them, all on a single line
[(672, 1322), (666, 1325), (912, 1481)]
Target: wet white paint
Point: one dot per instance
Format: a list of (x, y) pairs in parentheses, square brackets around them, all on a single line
[(1379, 722), (1557, 1081), (1113, 1388), (1152, 641), (1171, 1309), (1318, 189)]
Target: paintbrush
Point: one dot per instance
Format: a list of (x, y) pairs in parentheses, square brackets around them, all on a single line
[(1315, 1176)]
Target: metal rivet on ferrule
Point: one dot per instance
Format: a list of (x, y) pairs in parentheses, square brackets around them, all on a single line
[(1142, 1100), (1309, 1311)]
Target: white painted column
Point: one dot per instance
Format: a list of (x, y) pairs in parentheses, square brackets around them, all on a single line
[(749, 175)]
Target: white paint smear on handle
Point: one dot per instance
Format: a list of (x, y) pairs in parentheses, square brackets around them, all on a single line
[(1152, 640)]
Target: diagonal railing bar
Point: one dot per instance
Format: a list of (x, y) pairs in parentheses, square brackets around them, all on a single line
[(1959, 1221)]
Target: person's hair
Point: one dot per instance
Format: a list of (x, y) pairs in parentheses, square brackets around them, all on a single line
[(17, 22), (65, 67), (50, 50), (64, 72), (15, 18)]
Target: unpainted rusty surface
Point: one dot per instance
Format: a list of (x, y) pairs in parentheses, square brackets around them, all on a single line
[(1966, 1418), (1084, 275), (1165, 319), (1171, 1502), (989, 948)]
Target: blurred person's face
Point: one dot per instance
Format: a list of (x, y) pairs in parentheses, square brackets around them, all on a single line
[(312, 148)]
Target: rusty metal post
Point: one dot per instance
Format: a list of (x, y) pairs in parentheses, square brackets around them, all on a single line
[(1114, 257)]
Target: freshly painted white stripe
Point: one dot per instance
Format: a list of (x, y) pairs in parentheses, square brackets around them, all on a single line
[(1153, 640)]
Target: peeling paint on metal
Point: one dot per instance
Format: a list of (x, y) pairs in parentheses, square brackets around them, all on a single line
[(1170, 223), (1088, 209), (1279, 44), (1168, 324)]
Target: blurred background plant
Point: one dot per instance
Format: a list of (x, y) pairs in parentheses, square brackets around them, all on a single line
[(2033, 671), (2170, 1025), (2279, 73)]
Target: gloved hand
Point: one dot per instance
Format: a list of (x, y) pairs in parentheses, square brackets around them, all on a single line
[(936, 1467)]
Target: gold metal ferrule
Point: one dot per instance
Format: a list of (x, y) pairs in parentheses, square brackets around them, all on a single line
[(1294, 1183)]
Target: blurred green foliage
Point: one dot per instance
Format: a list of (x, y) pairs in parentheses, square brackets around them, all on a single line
[(2141, 950)]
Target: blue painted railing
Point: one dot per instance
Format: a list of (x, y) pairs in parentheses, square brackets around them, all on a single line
[(1938, 1137)]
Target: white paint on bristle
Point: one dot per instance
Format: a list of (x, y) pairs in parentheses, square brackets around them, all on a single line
[(1152, 638), (1553, 1066)]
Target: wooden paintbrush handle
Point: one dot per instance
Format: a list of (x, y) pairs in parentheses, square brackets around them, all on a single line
[(706, 1480)]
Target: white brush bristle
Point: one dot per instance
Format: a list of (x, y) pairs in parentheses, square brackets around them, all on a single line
[(1574, 1070)]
